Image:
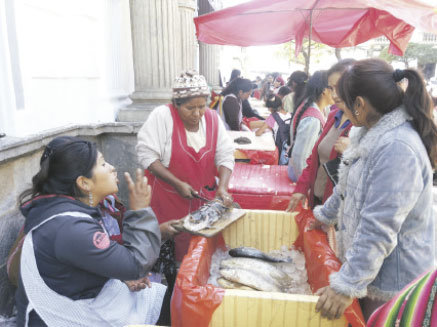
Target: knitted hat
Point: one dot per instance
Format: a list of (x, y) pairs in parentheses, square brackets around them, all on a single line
[(190, 84)]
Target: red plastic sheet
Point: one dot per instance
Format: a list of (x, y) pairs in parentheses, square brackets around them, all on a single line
[(337, 23), (261, 187), (193, 301), (261, 157), (321, 261)]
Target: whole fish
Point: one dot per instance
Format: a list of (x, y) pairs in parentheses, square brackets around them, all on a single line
[(205, 216), (223, 282), (242, 140), (251, 279), (249, 252), (266, 269)]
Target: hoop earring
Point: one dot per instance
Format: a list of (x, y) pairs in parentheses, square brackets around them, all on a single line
[(90, 199)]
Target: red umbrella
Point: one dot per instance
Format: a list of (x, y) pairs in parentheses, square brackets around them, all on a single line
[(337, 23)]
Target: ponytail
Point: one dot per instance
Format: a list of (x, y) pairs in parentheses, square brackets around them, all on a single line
[(64, 159), (316, 85), (419, 106), (274, 102), (375, 80), (236, 85)]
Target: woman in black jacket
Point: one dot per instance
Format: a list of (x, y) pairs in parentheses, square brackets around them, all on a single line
[(71, 272)]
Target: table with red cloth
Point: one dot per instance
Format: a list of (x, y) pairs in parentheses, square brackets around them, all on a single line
[(261, 186), (260, 150)]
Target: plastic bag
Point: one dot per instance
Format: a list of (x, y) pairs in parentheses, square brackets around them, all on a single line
[(314, 244), (193, 301)]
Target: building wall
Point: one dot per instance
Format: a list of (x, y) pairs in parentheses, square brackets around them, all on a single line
[(70, 62)]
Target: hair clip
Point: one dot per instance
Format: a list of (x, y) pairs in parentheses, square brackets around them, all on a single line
[(47, 153)]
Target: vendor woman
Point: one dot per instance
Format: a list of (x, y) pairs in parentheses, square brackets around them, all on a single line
[(184, 147)]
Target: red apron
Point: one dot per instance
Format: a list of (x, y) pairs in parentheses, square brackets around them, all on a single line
[(197, 169)]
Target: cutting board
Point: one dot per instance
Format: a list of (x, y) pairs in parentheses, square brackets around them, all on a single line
[(217, 227)]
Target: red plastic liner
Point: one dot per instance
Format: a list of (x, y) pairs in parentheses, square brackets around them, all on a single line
[(193, 301), (257, 157), (321, 261)]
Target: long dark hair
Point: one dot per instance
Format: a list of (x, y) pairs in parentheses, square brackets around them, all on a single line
[(234, 74), (375, 80), (274, 102), (237, 85), (299, 78), (314, 89), (284, 90), (64, 159)]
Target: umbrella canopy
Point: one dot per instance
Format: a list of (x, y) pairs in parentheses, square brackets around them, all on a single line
[(337, 23)]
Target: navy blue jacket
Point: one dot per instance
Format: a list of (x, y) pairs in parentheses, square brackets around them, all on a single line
[(71, 256)]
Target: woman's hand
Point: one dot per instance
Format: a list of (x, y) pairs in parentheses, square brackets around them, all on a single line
[(341, 144), (140, 193), (139, 284), (315, 224), (225, 197), (331, 304), (294, 201), (185, 190), (167, 229)]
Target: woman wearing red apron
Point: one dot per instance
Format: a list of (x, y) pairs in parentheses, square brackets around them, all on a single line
[(186, 151)]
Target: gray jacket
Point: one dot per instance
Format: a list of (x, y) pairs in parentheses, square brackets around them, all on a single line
[(383, 207)]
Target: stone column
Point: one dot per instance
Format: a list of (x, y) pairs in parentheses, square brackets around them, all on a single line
[(156, 51), (189, 47), (209, 54), (117, 53)]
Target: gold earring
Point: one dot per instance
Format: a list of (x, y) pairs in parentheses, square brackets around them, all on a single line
[(90, 199)]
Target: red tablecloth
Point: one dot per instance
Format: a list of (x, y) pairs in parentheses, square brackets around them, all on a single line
[(261, 186)]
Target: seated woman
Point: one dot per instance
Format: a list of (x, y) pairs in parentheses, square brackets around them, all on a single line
[(232, 109), (279, 123), (308, 122), (71, 272), (314, 182)]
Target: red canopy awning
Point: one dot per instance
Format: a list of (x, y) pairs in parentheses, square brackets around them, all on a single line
[(337, 23)]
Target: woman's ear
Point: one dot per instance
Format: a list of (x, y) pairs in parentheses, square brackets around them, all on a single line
[(359, 102), (84, 184)]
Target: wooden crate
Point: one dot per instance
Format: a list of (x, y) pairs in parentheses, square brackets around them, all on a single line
[(266, 230)]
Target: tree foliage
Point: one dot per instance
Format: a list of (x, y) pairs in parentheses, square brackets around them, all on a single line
[(423, 53), (318, 50)]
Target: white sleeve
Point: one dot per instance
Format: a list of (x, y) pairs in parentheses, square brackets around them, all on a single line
[(224, 153), (154, 138), (307, 134)]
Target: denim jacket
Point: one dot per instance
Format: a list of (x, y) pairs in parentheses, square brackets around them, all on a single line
[(383, 208)]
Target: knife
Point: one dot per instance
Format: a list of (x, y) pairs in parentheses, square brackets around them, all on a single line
[(197, 196)]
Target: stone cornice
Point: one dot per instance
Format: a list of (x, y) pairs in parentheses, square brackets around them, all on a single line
[(13, 147), (190, 4)]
